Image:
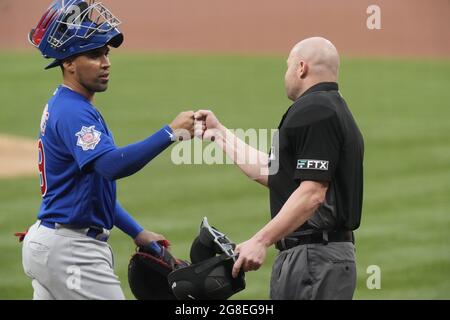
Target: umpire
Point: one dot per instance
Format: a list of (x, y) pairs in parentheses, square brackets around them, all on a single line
[(315, 178)]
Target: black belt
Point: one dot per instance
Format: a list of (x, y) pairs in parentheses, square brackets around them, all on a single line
[(316, 237)]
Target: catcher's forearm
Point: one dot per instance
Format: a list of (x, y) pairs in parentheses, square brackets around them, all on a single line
[(125, 222), (125, 161), (251, 161)]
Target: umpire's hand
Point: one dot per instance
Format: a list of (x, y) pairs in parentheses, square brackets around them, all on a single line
[(252, 254), (207, 126)]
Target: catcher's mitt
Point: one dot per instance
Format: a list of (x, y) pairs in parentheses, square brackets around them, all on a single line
[(148, 270)]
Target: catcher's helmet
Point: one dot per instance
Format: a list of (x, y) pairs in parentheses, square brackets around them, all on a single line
[(148, 270), (71, 27), (209, 276)]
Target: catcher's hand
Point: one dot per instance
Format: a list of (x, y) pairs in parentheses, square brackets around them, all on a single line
[(158, 251), (145, 237)]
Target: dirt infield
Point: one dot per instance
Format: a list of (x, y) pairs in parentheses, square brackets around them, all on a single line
[(408, 27), (18, 157)]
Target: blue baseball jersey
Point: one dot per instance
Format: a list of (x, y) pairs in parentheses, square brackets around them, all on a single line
[(73, 134)]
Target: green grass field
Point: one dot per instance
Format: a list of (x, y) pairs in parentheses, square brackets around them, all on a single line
[(403, 110)]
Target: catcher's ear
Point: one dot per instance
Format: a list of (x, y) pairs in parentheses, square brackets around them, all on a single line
[(68, 65)]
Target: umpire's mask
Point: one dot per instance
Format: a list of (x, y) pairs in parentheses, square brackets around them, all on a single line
[(209, 276)]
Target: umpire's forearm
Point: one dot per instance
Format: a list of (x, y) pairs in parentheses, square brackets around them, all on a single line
[(300, 206), (250, 160)]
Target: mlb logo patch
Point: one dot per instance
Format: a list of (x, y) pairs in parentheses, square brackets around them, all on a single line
[(88, 138), (312, 164)]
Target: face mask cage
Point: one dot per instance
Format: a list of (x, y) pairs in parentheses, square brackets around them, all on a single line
[(220, 239), (81, 19)]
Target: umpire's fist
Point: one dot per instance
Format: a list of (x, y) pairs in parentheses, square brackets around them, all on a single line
[(207, 125), (183, 125)]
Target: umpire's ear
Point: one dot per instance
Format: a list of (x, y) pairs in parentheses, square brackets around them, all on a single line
[(302, 70)]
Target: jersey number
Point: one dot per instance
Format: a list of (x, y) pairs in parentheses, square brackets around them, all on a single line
[(41, 165)]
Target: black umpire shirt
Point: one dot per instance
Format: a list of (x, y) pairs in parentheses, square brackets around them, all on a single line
[(319, 140)]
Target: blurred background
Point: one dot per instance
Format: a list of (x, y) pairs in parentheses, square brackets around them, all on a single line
[(230, 56)]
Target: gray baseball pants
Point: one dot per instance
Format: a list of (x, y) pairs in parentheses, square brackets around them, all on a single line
[(314, 272), (66, 264)]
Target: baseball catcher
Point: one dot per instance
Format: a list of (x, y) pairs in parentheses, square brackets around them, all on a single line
[(66, 253)]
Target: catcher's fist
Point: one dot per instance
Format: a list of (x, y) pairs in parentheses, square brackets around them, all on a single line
[(183, 125)]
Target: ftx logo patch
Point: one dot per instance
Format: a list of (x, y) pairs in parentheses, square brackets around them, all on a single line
[(312, 164)]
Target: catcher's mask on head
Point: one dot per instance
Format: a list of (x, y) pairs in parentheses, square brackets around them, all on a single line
[(71, 27), (148, 270), (209, 276)]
